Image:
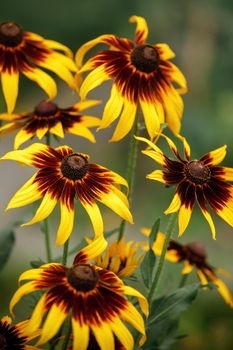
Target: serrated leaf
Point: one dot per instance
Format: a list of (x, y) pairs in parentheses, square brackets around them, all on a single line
[(147, 267), (7, 240), (172, 305), (154, 232)]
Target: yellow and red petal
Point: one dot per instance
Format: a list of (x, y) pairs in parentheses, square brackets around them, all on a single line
[(165, 52), (141, 32), (104, 336), (151, 118), (223, 290), (184, 218), (215, 157), (57, 129), (95, 248), (157, 175), (52, 44), (94, 79)]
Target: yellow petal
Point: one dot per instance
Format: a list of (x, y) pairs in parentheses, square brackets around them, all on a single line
[(95, 217), (52, 324), (21, 292), (156, 175), (104, 336), (126, 121), (141, 299), (81, 130), (174, 205), (21, 137), (81, 105), (95, 248), (183, 218), (210, 222), (45, 209), (43, 80), (30, 274), (226, 213), (8, 128), (10, 82), (151, 118), (165, 52), (131, 315), (37, 315), (228, 174), (94, 79), (66, 224), (58, 46), (141, 29), (80, 334), (187, 268), (40, 132), (215, 157), (112, 201), (122, 333), (112, 109), (57, 129), (202, 277)]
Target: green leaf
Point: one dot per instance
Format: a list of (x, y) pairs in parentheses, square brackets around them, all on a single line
[(7, 241), (172, 305), (147, 268), (154, 232)]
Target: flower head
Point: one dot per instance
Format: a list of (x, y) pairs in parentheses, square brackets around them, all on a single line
[(64, 175), (201, 181), (15, 337), (95, 297), (47, 117), (120, 258), (143, 76), (194, 256), (23, 52)]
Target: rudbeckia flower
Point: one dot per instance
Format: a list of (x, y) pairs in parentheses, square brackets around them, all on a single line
[(15, 337), (95, 297), (64, 175), (121, 258), (23, 52), (142, 77), (194, 256), (199, 180), (47, 117)]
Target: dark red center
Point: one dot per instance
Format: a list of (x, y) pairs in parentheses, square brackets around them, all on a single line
[(197, 171), (145, 58), (74, 166), (83, 277), (46, 108), (11, 34), (3, 342)]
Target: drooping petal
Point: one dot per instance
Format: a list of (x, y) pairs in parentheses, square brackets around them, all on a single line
[(131, 315), (80, 334), (10, 82), (122, 333), (104, 336), (43, 80), (94, 79), (184, 218), (151, 118), (112, 108), (21, 292), (66, 222), (58, 46), (95, 216), (223, 290), (126, 121)]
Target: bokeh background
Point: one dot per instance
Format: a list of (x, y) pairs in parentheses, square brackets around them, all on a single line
[(201, 34)]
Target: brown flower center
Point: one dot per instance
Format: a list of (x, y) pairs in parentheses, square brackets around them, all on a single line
[(10, 34), (197, 171), (3, 342), (197, 249), (83, 277), (145, 58), (74, 166), (46, 108)]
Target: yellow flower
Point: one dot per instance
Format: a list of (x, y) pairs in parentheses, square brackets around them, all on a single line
[(95, 297), (16, 337), (120, 258), (194, 256), (23, 52), (63, 175), (142, 76), (201, 181), (47, 117)]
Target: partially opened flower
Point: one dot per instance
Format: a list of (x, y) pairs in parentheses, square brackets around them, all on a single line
[(95, 297), (62, 176), (47, 117), (16, 337), (23, 52), (142, 77), (194, 256), (122, 258), (199, 180)]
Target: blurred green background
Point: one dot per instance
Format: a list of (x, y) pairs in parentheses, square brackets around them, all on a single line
[(201, 34)]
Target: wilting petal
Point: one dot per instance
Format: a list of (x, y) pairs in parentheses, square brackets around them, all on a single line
[(10, 82)]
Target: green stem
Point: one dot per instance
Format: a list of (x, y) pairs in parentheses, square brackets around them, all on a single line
[(65, 252), (168, 234), (131, 166), (67, 335), (47, 240), (183, 280)]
